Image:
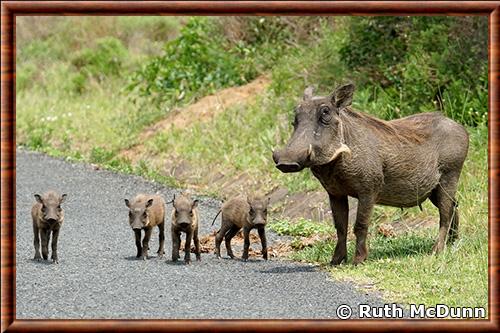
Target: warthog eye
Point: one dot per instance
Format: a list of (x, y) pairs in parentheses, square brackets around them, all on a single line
[(295, 122), (44, 209), (130, 214), (325, 115), (145, 215), (191, 213), (252, 212)]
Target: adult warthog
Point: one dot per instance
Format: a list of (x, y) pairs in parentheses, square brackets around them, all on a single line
[(397, 163)]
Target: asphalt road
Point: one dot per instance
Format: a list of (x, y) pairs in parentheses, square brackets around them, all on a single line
[(99, 277)]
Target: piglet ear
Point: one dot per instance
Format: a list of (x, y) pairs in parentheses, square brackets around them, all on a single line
[(195, 203), (149, 203), (63, 198), (38, 198), (127, 203)]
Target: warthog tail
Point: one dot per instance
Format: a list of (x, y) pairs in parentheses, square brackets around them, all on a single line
[(215, 218)]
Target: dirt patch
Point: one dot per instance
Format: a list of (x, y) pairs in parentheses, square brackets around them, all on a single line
[(280, 248), (202, 111), (310, 205)]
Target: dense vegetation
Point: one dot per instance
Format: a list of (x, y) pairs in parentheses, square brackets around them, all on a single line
[(87, 87)]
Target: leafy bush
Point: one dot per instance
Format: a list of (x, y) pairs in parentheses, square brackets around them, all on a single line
[(106, 59), (422, 63), (212, 54), (194, 64), (301, 227)]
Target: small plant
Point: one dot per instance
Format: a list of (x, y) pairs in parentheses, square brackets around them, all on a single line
[(302, 228), (104, 60)]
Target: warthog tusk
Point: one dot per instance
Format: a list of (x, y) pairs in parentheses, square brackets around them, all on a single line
[(342, 149)]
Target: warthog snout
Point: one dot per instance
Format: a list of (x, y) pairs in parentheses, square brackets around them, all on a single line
[(51, 220), (259, 222), (288, 161), (184, 224)]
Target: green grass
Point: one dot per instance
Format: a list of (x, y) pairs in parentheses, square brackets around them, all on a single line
[(71, 79), (302, 227)]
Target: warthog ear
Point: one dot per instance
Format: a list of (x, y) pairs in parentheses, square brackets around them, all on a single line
[(63, 198), (149, 203), (342, 96), (308, 93), (127, 203), (195, 204), (38, 198)]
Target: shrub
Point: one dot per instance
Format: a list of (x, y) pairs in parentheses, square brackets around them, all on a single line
[(423, 63), (194, 64), (301, 228), (106, 59)]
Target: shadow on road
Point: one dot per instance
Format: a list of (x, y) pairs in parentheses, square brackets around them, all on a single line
[(134, 258), (42, 262), (288, 269)]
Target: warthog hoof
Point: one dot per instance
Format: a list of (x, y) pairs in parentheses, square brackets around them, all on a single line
[(187, 262), (358, 260), (437, 247), (338, 260), (55, 261)]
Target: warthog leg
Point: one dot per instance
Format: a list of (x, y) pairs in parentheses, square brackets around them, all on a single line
[(196, 241), (145, 243), (220, 235), (246, 243), (161, 249), (138, 244), (55, 237), (176, 244), (36, 242), (45, 243), (229, 235), (340, 212), (263, 240), (187, 247), (443, 198), (365, 208)]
